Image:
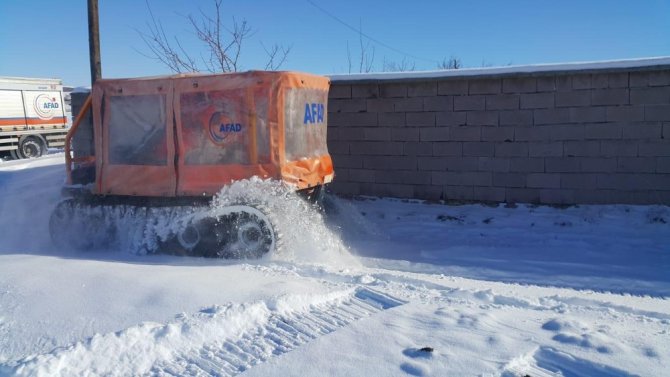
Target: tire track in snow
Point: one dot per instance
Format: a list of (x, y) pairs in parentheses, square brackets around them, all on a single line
[(217, 341)]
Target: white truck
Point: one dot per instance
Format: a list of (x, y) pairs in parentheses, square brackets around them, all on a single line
[(33, 116)]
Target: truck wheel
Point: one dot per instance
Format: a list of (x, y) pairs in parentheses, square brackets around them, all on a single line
[(31, 147)]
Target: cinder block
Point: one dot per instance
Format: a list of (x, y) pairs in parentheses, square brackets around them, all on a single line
[(516, 149), (657, 113), (581, 148), (535, 133), (563, 83), (343, 161), (618, 148), (458, 192), (618, 80), (352, 119), (408, 104), (422, 119), (362, 175), (551, 116), (346, 105), (618, 96), (494, 164), (516, 118), (519, 85), (405, 134), (365, 91), (403, 176), (543, 180), (339, 91), (625, 181), (581, 81), (599, 81), (429, 163), (502, 102), (465, 133), (642, 131), (574, 98), (636, 164), (557, 196), (509, 180), (462, 164), (376, 148), (579, 181), (345, 188), (448, 148), (462, 178), (659, 78), (393, 90), (526, 165), (588, 114), (389, 162), (422, 89), (660, 148), (392, 190), (567, 132), (434, 134), (638, 79), (489, 194), (498, 134), (548, 149), (650, 96), (413, 148), (599, 165), (380, 105), (452, 87), (546, 84), (484, 86), (440, 103), (450, 118), (482, 118), (625, 113), (428, 192), (562, 164), (537, 100), (391, 119), (593, 196), (377, 134), (663, 165), (338, 147), (478, 149), (522, 195), (469, 103), (666, 131), (603, 131)]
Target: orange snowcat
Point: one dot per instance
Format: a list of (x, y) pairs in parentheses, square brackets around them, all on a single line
[(173, 142)]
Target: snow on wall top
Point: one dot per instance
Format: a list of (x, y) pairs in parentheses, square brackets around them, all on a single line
[(489, 71)]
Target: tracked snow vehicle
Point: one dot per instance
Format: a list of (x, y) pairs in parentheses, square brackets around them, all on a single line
[(164, 146)]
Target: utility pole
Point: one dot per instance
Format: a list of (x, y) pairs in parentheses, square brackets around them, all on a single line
[(94, 40)]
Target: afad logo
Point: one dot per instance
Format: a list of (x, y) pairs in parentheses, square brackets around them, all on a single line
[(221, 128), (46, 106), (314, 113)]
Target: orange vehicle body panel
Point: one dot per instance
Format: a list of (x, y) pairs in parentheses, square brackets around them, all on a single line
[(189, 135)]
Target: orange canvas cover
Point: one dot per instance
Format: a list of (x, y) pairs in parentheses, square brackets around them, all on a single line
[(189, 135)]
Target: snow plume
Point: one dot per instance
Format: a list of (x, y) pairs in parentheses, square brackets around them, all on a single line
[(305, 237)]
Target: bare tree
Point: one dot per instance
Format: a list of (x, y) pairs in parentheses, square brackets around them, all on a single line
[(367, 54), (223, 44), (451, 63), (404, 66)]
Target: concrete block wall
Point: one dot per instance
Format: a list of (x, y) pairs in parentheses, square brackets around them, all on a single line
[(557, 137)]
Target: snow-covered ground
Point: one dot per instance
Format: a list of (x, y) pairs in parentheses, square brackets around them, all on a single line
[(491, 291)]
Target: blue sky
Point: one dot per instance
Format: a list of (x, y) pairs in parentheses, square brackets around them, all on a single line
[(55, 42)]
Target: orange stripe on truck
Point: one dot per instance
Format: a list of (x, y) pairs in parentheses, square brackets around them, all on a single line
[(30, 121)]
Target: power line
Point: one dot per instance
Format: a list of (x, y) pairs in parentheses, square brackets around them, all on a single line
[(366, 35)]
